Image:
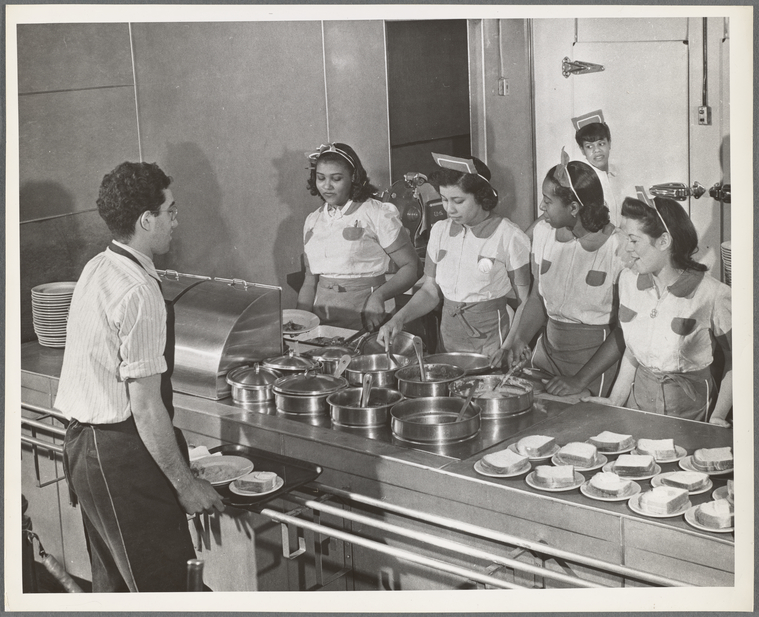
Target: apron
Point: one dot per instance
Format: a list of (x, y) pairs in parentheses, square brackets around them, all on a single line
[(479, 327), (339, 302), (564, 348), (683, 395), (136, 530)]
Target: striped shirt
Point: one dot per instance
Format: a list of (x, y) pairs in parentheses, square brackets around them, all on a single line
[(116, 331)]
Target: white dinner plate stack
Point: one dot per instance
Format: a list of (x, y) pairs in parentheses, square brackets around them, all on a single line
[(726, 250), (50, 311)]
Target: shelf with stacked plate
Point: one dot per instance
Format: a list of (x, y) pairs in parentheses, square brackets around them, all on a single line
[(50, 311)]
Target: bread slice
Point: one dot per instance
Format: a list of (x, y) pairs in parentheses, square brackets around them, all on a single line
[(560, 476), (689, 480), (578, 454), (504, 462), (713, 459), (608, 484), (257, 482), (536, 445), (660, 449), (663, 500), (611, 442), (715, 514), (634, 464)]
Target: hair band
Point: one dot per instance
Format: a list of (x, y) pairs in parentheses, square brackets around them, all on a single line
[(465, 166), (324, 148), (562, 175), (643, 196)]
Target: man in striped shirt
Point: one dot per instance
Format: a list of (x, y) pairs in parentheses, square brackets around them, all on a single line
[(125, 462)]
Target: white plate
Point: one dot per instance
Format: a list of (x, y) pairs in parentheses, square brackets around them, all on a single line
[(598, 462), (687, 465), (223, 469), (479, 469), (278, 484), (634, 504), (655, 472), (579, 479), (622, 451), (587, 490), (720, 493), (657, 481), (60, 288), (303, 318), (545, 457), (681, 453), (690, 518)]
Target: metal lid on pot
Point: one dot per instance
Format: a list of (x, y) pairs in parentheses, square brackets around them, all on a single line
[(251, 376), (309, 384), (290, 362)]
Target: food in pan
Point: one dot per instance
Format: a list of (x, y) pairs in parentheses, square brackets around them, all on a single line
[(611, 442), (504, 462), (634, 464), (609, 484), (689, 480), (510, 388), (660, 449), (715, 514), (327, 341), (291, 327), (257, 482), (560, 476), (664, 500), (713, 459), (578, 454), (536, 445)]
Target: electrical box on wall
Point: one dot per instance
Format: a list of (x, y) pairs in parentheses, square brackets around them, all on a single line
[(704, 115), (503, 86)]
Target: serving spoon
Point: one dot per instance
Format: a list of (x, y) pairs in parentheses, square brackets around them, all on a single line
[(469, 397), (366, 390), (418, 349)]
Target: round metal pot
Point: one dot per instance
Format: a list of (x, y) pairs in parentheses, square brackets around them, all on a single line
[(306, 393), (252, 384), (436, 384), (328, 357), (402, 345), (345, 409), (515, 398), (378, 366), (432, 420), (290, 364), (472, 363)]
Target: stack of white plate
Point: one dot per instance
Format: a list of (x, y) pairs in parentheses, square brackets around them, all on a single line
[(726, 250), (50, 311)]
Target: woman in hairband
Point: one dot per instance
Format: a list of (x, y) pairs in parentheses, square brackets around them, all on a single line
[(349, 243), (475, 258), (576, 260), (670, 310)]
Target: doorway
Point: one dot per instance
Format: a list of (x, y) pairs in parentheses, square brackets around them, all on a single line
[(428, 93)]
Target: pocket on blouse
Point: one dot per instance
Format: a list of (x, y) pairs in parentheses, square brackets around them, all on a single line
[(353, 233), (683, 325), (545, 266), (595, 278), (626, 314)]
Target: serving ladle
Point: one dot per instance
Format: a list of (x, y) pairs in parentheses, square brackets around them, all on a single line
[(469, 397), (366, 390)]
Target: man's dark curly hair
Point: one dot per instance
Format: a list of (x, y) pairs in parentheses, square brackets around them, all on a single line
[(127, 192)]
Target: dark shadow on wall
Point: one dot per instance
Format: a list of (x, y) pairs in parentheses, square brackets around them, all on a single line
[(55, 249), (296, 203), (201, 242)]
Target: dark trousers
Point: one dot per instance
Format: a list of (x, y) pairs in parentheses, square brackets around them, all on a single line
[(136, 530)]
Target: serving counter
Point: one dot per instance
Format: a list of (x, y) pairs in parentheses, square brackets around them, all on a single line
[(384, 486)]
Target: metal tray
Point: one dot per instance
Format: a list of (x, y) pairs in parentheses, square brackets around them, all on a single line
[(294, 472)]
